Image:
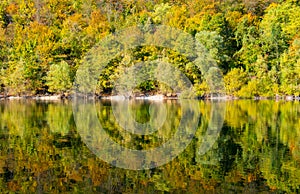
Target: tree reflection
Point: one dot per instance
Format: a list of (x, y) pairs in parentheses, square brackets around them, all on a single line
[(257, 150)]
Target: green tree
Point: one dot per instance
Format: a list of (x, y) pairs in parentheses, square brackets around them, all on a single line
[(214, 43), (58, 78), (15, 81), (290, 70), (235, 80)]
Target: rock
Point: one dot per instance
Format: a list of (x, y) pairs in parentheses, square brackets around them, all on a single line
[(55, 97), (277, 97), (155, 97), (66, 95), (289, 97), (15, 98), (116, 98)]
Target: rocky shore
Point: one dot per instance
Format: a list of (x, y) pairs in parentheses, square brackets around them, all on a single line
[(39, 97), (139, 97)]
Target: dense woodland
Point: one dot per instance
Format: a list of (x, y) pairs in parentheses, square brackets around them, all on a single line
[(256, 44)]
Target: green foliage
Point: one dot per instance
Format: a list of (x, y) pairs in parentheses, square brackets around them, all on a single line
[(214, 43), (160, 12), (260, 37), (235, 80), (290, 68), (58, 78), (15, 83)]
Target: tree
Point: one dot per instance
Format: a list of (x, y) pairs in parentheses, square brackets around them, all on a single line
[(235, 80), (160, 12), (290, 70), (15, 81), (58, 78), (213, 42)]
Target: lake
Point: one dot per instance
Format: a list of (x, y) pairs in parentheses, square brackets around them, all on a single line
[(199, 146)]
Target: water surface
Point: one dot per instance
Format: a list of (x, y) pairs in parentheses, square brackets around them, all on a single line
[(256, 150)]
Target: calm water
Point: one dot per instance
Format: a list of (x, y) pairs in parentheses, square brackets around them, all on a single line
[(257, 149)]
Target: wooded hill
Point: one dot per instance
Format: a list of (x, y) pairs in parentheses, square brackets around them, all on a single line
[(256, 44)]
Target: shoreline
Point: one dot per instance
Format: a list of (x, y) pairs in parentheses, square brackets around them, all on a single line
[(158, 97)]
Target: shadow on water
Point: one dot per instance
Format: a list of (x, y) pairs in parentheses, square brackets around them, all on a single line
[(257, 149)]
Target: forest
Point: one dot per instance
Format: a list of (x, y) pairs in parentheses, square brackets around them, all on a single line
[(256, 44)]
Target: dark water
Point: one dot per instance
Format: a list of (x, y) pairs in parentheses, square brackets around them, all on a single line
[(257, 149)]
